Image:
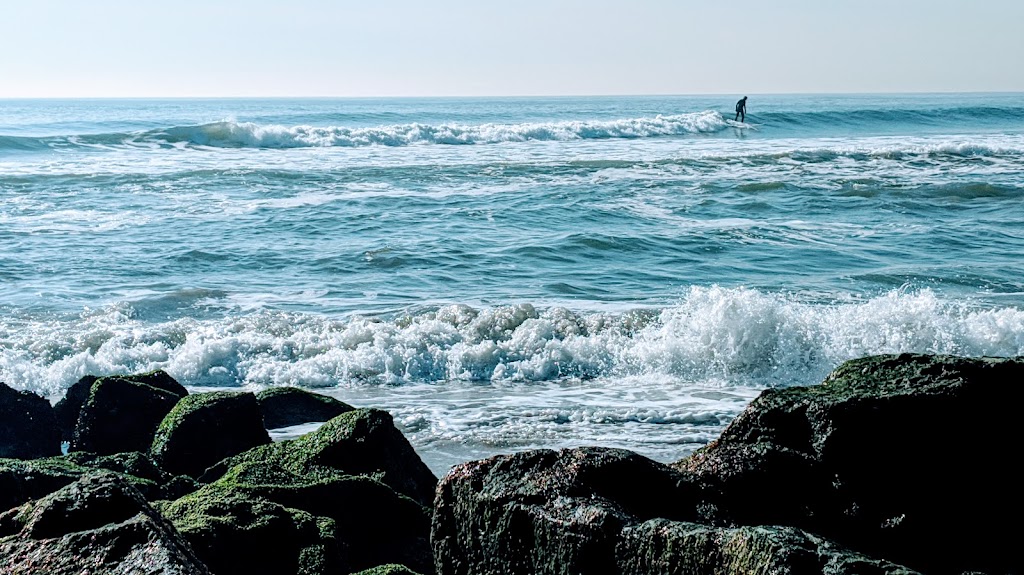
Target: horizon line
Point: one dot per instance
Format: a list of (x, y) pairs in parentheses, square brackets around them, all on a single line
[(510, 96)]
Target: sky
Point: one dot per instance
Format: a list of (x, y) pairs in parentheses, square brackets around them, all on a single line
[(322, 48)]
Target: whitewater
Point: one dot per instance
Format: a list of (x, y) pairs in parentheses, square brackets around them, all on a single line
[(509, 273)]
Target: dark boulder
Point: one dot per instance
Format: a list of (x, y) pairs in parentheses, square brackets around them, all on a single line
[(286, 406), (138, 466), (389, 569), (595, 511), (205, 428), (235, 529), (121, 415), (358, 442), (664, 547), (876, 459), (98, 524), (69, 407), (369, 523), (28, 427), (23, 481)]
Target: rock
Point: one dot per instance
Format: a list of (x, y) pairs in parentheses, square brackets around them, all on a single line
[(667, 547), (874, 459), (99, 524), (358, 442), (389, 569), (235, 530), (595, 511), (138, 466), (121, 415), (205, 428), (23, 481), (28, 427), (287, 406), (69, 407), (369, 523)]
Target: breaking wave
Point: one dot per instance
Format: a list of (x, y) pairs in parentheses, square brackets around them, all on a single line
[(740, 335)]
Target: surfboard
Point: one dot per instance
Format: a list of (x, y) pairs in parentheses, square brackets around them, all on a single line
[(741, 125)]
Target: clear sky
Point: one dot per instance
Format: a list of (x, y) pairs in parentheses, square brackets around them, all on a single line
[(125, 48)]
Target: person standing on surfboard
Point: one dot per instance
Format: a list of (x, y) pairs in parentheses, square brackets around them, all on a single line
[(741, 110)]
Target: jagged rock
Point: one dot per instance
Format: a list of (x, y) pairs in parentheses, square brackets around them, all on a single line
[(23, 481), (875, 459), (138, 466), (286, 406), (595, 511), (205, 428), (665, 547), (69, 407), (237, 530), (99, 524), (121, 414), (389, 569), (28, 427), (365, 523), (359, 442)]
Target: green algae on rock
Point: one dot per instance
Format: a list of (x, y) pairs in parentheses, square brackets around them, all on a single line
[(358, 442), (204, 428), (98, 524)]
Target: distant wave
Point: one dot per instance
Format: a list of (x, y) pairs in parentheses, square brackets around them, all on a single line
[(231, 134), (712, 334)]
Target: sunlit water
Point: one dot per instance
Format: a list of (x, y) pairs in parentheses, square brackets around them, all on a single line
[(503, 274)]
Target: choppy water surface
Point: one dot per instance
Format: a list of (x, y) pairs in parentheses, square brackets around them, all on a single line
[(509, 273)]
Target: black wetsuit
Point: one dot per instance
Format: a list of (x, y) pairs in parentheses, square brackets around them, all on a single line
[(741, 110)]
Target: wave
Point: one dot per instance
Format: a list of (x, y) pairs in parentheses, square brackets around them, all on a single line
[(231, 134), (739, 335)]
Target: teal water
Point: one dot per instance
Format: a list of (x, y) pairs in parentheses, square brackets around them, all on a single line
[(509, 273)]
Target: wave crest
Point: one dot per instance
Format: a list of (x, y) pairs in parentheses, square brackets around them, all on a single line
[(740, 335), (250, 135)]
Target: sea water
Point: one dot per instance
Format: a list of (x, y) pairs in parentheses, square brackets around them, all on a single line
[(506, 274)]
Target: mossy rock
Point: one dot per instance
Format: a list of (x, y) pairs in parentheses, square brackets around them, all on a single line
[(69, 407), (875, 459), (121, 415), (139, 466), (358, 442), (23, 481), (28, 426), (376, 524), (287, 406), (389, 569), (237, 531), (204, 428), (98, 524)]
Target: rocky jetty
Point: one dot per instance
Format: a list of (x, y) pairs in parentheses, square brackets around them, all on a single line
[(865, 474)]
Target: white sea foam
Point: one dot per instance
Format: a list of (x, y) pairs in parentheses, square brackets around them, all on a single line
[(739, 336), (248, 134)]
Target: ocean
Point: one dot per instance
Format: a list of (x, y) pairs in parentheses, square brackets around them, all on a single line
[(509, 273)]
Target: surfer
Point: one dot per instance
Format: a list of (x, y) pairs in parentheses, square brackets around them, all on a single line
[(741, 110)]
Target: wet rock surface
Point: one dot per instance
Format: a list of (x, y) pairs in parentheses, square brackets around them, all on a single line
[(287, 406), (28, 426)]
